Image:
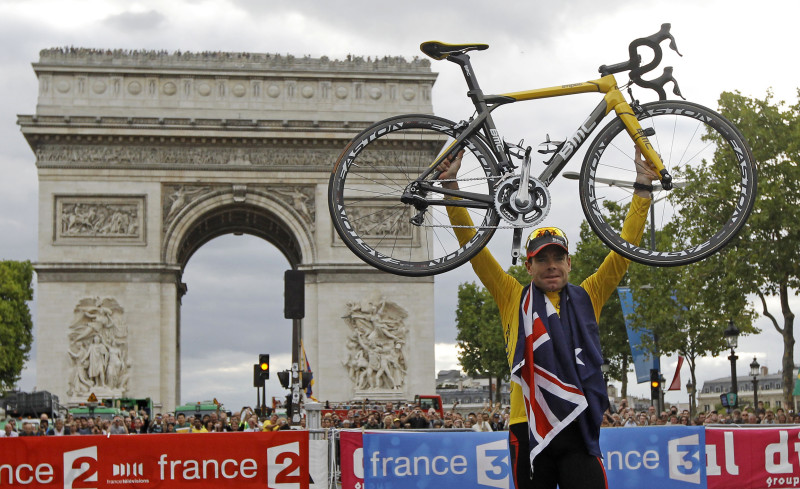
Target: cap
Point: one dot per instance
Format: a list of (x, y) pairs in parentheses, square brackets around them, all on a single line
[(543, 237)]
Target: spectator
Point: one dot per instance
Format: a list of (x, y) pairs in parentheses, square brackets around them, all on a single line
[(252, 424), (197, 426), (27, 429), (483, 423), (118, 427), (157, 425), (182, 425), (44, 425), (58, 429), (8, 431)]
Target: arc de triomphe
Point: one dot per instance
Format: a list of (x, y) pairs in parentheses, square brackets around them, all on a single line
[(143, 157)]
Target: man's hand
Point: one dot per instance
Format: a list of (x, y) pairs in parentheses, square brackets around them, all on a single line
[(449, 168), (645, 173)]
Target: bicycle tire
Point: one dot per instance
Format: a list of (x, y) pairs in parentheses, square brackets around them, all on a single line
[(372, 173), (715, 184)]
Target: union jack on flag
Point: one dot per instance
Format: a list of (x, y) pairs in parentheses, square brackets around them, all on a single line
[(551, 403)]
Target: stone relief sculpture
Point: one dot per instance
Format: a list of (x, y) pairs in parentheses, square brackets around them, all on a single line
[(94, 217), (376, 344), (115, 156), (378, 221), (176, 197), (98, 348), (301, 199)]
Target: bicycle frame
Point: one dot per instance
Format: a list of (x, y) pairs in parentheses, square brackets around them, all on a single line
[(483, 123)]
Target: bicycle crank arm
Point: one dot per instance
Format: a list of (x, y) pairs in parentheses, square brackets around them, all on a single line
[(516, 242)]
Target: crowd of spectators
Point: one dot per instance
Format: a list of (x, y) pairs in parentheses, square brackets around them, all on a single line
[(626, 416), (373, 417)]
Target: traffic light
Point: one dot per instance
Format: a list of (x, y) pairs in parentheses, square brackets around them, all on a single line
[(263, 365), (283, 377), (655, 385), (294, 294)]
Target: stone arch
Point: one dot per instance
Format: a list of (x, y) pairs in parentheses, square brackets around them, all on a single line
[(220, 212), (133, 180)]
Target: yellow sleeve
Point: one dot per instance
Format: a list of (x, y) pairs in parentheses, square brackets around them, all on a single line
[(504, 288), (602, 283)]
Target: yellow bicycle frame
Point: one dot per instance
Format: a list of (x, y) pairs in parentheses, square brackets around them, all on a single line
[(614, 101)]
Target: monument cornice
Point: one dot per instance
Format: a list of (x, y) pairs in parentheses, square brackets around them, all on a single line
[(241, 63), (106, 272)]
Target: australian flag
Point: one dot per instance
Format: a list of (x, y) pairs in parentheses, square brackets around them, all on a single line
[(545, 369)]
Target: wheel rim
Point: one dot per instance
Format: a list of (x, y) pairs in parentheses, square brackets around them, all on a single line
[(370, 180), (714, 187)]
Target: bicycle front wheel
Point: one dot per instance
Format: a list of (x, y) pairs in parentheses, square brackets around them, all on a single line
[(377, 168), (714, 176)]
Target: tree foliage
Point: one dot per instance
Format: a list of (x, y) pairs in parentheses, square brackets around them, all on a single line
[(480, 334), (16, 326), (765, 260)]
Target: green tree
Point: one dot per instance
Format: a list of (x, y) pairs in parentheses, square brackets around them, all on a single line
[(686, 310), (765, 260), (16, 327), (480, 335)]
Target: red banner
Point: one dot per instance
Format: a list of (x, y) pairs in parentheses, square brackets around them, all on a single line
[(351, 462), (276, 460), (752, 458)]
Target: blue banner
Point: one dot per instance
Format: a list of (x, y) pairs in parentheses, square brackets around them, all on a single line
[(662, 457), (399, 460), (643, 361)]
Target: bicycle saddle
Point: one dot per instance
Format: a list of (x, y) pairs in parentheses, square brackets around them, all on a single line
[(441, 50)]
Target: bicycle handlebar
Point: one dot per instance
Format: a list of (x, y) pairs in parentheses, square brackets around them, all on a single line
[(633, 64)]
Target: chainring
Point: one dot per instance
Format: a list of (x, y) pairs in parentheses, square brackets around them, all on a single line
[(505, 196)]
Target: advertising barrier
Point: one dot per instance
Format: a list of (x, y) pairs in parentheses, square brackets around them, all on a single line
[(663, 457), (396, 459), (276, 460)]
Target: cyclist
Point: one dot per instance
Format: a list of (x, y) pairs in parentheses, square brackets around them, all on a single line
[(553, 345)]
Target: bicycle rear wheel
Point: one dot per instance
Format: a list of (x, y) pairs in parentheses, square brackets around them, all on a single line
[(375, 170), (714, 177)]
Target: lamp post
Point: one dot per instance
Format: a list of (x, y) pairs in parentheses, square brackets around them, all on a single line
[(690, 391), (754, 372), (605, 368), (732, 339)]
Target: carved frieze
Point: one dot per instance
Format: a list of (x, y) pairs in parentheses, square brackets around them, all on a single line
[(376, 344), (98, 349), (167, 156), (375, 221), (99, 219)]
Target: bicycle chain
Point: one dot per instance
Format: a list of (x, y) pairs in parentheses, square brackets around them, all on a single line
[(452, 226)]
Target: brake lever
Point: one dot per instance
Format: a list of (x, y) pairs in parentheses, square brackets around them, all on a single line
[(657, 84)]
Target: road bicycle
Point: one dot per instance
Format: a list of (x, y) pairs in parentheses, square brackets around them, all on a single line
[(388, 204)]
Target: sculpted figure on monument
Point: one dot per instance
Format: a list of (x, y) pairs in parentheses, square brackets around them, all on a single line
[(376, 358), (98, 348), (99, 219), (180, 197)]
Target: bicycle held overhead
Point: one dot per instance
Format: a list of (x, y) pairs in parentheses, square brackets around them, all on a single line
[(388, 203)]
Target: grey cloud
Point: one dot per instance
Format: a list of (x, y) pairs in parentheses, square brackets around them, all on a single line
[(136, 21)]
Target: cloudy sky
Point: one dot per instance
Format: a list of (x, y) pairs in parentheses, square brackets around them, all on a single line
[(727, 45)]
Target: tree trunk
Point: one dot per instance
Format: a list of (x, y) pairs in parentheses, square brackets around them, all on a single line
[(788, 350), (624, 392)]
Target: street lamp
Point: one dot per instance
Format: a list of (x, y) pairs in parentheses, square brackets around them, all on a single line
[(732, 339), (605, 368), (690, 391), (754, 372)]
